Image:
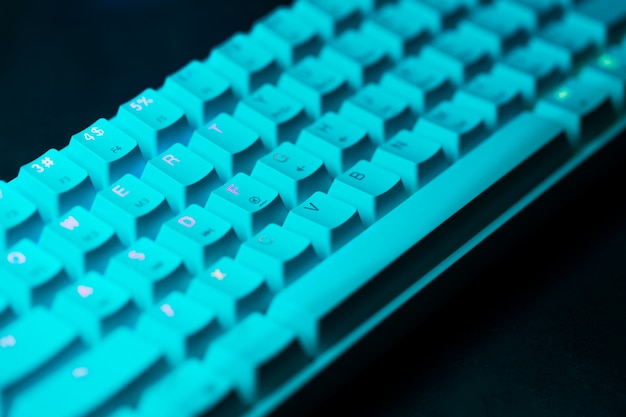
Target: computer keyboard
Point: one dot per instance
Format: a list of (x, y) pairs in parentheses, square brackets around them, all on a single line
[(218, 245)]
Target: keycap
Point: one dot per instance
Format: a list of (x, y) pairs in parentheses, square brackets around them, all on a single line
[(316, 305), (495, 101), (438, 14), (372, 190), (582, 108), (318, 87), (416, 159), (231, 289), (148, 271), (105, 152), (82, 241), (200, 92), (19, 217), (605, 20), (458, 59), (380, 112), (132, 207), (30, 346), (153, 121), (531, 70), (457, 129), (30, 276), (360, 61), (337, 141), (247, 204), (287, 35), (191, 389), (609, 71), (55, 184), (95, 306), (329, 17), (108, 375), (181, 326), (569, 46), (422, 85), (534, 13), (326, 221), (279, 254), (276, 116), (198, 236), (398, 28), (293, 172), (257, 354), (244, 63), (183, 177), (228, 144), (496, 29)]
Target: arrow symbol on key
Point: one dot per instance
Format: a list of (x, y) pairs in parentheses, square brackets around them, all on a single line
[(300, 168), (311, 206)]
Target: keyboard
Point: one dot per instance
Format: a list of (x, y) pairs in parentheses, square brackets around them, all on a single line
[(231, 234)]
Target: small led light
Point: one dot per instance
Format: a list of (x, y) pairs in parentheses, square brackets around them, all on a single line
[(84, 291), (167, 310), (80, 372), (562, 93), (607, 61), (217, 274), (7, 341)]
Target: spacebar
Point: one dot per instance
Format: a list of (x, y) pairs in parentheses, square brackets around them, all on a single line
[(333, 298)]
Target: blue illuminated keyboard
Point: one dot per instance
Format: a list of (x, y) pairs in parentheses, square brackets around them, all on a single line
[(223, 243)]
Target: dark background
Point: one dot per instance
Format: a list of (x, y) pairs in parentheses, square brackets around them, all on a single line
[(552, 342)]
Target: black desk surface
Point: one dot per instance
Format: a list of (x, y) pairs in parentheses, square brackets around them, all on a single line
[(540, 334)]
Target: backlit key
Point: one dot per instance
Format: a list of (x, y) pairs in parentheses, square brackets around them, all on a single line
[(189, 390), (329, 17), (200, 92), (55, 184), (232, 289), (132, 207), (199, 237), (327, 222), (148, 271), (534, 13), (257, 354), (293, 172), (228, 144), (609, 71), (438, 14), (278, 253), (97, 380), (380, 112), (318, 87), (247, 204), (605, 19), (358, 59), (582, 108), (18, 217), (30, 276), (82, 241), (530, 70), (337, 141), (398, 27), (496, 101), (459, 59), (374, 191), (422, 85), (457, 129), (290, 37), (182, 176), (245, 63), (95, 306), (276, 116), (569, 46), (182, 326), (153, 121), (416, 159), (29, 345), (105, 152)]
